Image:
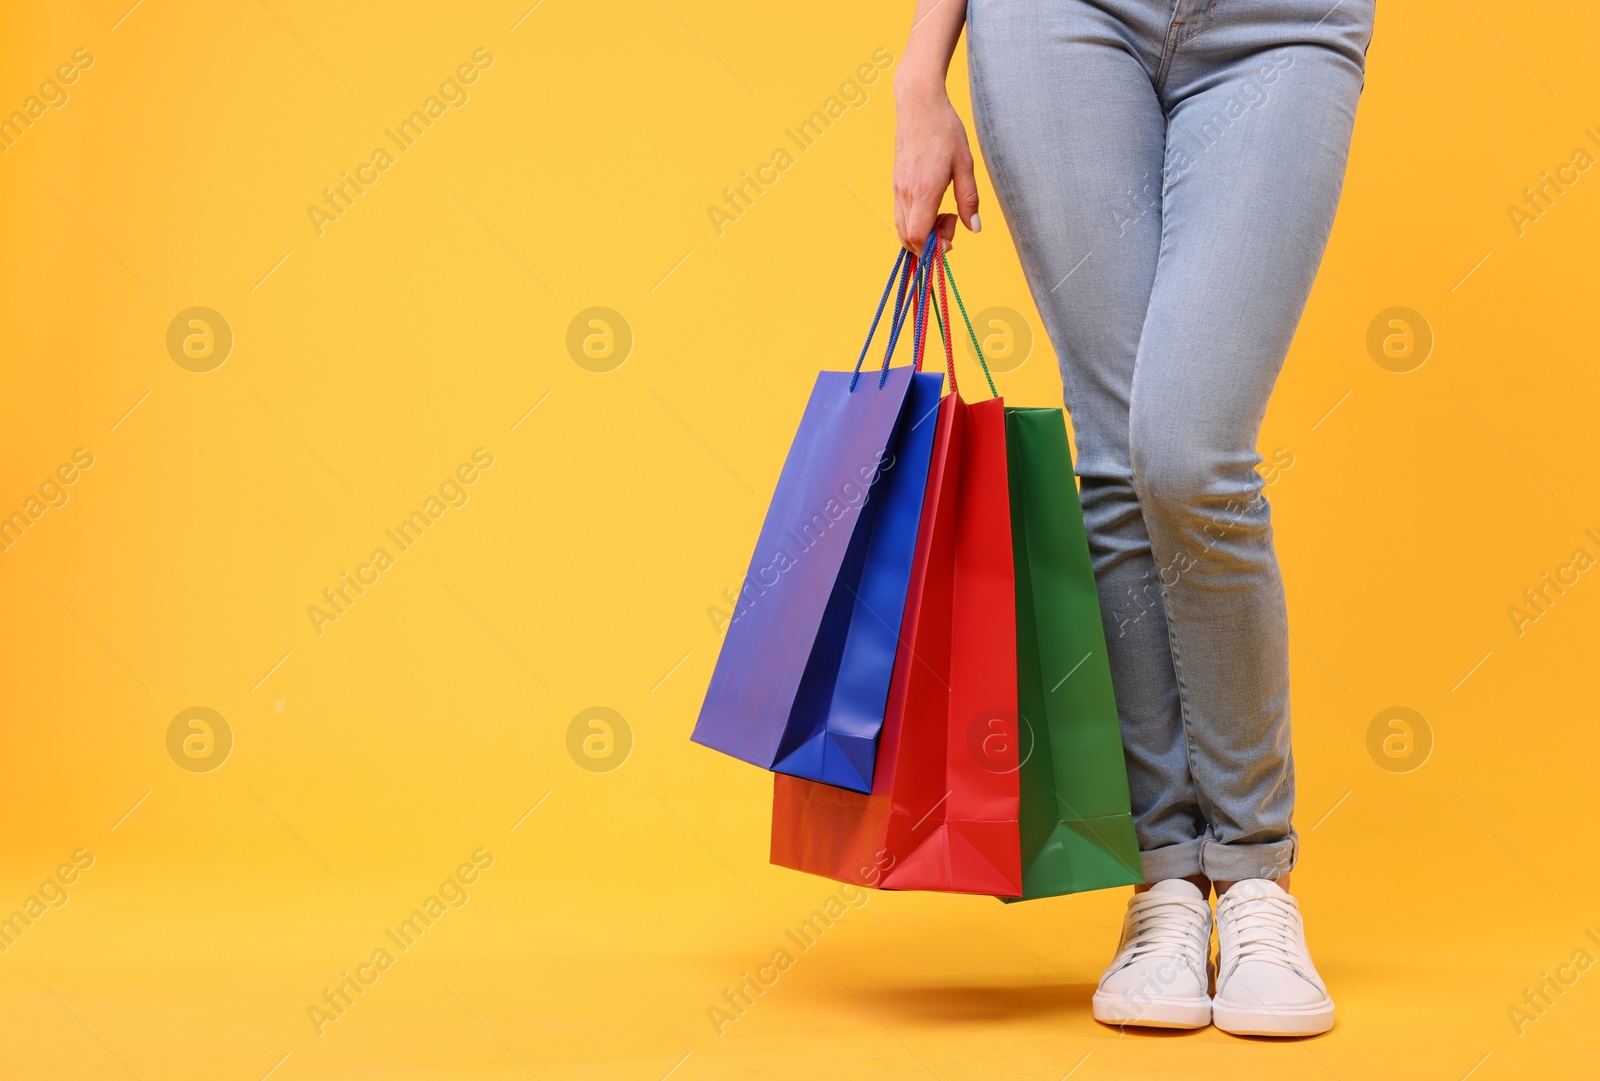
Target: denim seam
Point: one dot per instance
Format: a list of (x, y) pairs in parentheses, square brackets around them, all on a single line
[(1183, 701), (1282, 616), (1183, 28), (1198, 21), (1170, 46)]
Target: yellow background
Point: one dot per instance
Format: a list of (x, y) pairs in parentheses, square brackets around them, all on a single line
[(371, 360)]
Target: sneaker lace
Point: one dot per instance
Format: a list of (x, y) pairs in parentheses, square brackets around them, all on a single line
[(1259, 929), (1160, 924)]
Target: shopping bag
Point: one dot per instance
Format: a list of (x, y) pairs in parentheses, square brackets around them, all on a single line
[(803, 676), (942, 811), (1074, 821)]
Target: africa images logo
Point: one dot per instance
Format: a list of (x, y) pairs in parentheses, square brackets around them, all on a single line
[(340, 597), (339, 198)]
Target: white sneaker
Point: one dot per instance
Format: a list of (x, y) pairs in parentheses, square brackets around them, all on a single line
[(1159, 975), (1266, 983)]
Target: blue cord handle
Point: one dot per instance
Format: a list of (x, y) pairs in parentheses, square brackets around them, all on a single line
[(919, 284), (902, 271), (901, 310), (873, 329)]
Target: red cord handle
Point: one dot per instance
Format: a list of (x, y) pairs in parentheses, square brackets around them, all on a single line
[(925, 275)]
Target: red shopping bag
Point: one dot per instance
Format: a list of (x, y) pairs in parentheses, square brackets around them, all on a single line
[(942, 814)]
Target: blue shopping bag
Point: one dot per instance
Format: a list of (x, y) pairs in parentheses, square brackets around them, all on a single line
[(803, 677)]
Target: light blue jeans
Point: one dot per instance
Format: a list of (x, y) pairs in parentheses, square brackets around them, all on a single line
[(1170, 170)]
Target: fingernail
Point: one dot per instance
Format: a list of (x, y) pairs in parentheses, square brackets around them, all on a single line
[(977, 226)]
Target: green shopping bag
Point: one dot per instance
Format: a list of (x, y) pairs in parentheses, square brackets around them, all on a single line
[(1077, 828)]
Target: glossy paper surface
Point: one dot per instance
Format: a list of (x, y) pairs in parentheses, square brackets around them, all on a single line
[(832, 732), (801, 681), (1076, 829)]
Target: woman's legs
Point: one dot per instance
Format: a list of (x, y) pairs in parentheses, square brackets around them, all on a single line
[(1170, 174)]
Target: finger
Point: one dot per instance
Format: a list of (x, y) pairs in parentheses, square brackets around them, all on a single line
[(904, 208), (920, 214), (966, 192), (946, 225), (908, 236)]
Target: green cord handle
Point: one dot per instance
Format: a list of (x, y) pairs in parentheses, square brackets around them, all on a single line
[(945, 262)]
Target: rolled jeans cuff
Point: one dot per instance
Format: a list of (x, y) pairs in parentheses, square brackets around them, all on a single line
[(1221, 862), (1233, 863), (1181, 860)]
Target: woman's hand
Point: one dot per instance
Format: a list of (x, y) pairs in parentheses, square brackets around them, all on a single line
[(930, 143), (930, 154)]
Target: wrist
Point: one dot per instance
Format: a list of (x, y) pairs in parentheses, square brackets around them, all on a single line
[(916, 84)]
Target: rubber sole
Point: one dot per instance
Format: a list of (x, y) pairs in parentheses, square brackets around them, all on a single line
[(1298, 1021), (1152, 1012)]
